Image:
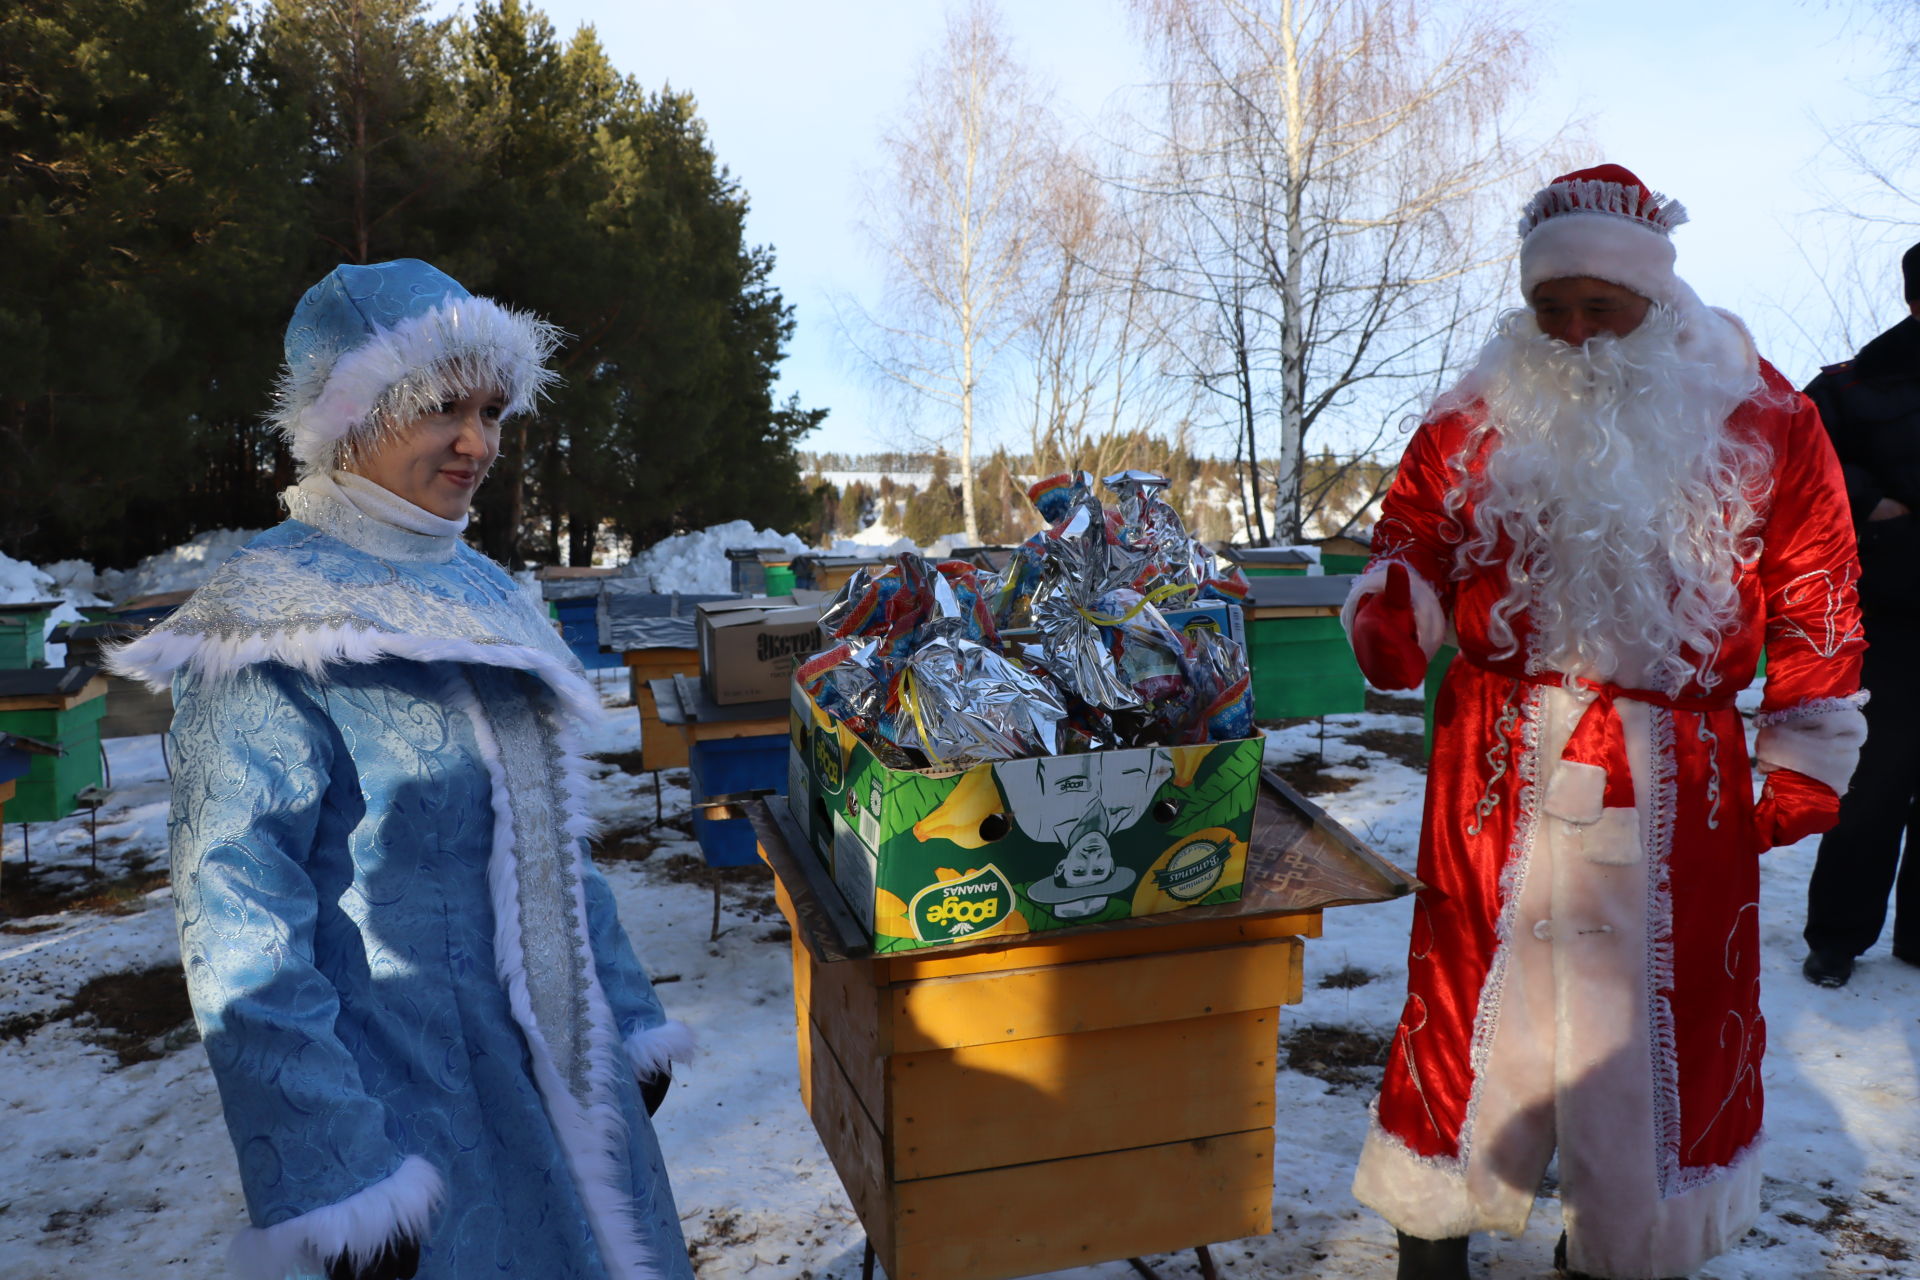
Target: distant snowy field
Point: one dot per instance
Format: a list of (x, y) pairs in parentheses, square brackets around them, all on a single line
[(110, 1170)]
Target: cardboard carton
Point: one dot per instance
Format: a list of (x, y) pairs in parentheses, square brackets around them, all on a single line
[(932, 856), (749, 648)]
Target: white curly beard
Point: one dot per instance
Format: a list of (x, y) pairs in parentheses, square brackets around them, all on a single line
[(1625, 502)]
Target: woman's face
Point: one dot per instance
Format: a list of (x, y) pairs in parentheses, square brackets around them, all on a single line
[(439, 459)]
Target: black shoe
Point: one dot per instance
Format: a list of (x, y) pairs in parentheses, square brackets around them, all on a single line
[(1433, 1259), (1908, 955), (1827, 968)]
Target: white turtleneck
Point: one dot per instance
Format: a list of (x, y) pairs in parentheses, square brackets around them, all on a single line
[(372, 518), (388, 507)]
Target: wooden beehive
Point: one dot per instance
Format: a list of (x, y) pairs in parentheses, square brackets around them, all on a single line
[(1302, 663), (23, 629), (1062, 1099), (661, 746), (133, 709), (62, 706)]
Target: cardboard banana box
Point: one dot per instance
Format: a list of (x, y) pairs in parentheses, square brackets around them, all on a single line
[(932, 856)]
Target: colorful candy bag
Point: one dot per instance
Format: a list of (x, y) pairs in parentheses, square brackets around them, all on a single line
[(921, 669)]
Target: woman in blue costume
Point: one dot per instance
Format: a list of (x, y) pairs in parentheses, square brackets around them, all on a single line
[(434, 1044)]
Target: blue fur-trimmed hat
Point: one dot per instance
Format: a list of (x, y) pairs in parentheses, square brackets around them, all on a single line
[(371, 348)]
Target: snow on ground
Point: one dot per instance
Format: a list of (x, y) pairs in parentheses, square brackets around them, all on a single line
[(116, 1164)]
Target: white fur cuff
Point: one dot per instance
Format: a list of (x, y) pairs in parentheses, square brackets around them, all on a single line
[(1824, 745), (402, 1202), (1423, 1196), (653, 1049), (1430, 620)]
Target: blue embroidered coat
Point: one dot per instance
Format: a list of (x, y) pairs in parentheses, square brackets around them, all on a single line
[(419, 1004)]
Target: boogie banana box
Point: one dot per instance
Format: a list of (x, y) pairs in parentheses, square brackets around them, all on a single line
[(932, 856)]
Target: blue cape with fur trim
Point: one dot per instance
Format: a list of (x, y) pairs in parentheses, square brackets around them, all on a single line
[(416, 995)]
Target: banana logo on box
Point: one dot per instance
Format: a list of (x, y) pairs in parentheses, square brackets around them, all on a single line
[(972, 906), (827, 761), (1189, 869)]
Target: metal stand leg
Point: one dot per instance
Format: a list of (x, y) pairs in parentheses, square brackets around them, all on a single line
[(1140, 1266), (26, 846), (1206, 1264), (106, 766), (93, 839), (713, 934), (656, 798), (866, 1262)]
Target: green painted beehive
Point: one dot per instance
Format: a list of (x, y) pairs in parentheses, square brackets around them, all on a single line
[(71, 719), (23, 634), (1303, 667)]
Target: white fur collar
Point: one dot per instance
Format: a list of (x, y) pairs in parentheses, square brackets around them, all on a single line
[(336, 587)]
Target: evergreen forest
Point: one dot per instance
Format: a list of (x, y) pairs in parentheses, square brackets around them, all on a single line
[(174, 174)]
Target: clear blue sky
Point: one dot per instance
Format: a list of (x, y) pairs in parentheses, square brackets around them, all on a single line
[(1721, 105)]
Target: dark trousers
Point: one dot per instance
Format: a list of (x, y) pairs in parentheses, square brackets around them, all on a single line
[(1860, 859)]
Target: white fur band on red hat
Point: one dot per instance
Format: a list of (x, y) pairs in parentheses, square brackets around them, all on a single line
[(1604, 223)]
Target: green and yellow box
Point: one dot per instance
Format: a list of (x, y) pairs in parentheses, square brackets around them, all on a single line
[(931, 856)]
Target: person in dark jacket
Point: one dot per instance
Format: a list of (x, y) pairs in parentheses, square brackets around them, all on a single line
[(1871, 407)]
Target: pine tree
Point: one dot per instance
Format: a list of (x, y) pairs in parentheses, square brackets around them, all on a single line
[(144, 207)]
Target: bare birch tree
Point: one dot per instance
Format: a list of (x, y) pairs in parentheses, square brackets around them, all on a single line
[(1336, 175), (951, 217), (1095, 327)]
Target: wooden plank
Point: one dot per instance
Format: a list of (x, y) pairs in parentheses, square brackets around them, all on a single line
[(984, 1106), (1261, 613), (1037, 949), (802, 993), (663, 662), (1031, 1218), (853, 1144), (846, 1004), (94, 688), (707, 730), (1022, 1004)]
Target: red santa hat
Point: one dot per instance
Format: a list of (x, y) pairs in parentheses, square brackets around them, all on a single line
[(1605, 223)]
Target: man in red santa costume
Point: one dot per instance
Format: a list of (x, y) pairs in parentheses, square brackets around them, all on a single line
[(1609, 516)]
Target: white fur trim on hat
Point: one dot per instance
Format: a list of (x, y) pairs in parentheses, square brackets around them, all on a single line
[(1625, 251), (402, 373)]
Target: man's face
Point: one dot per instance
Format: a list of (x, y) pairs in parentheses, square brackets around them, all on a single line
[(1578, 307)]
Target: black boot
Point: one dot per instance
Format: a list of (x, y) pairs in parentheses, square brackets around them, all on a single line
[(1825, 967), (1560, 1262), (1433, 1259)]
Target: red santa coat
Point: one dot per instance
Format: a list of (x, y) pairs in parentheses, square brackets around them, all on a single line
[(1584, 966)]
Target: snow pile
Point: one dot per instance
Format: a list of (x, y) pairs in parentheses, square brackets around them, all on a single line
[(21, 582), (697, 562), (877, 539), (181, 568)]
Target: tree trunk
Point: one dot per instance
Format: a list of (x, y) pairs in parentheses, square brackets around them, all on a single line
[(1243, 372)]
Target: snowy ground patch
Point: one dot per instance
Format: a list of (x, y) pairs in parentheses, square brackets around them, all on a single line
[(116, 1164)]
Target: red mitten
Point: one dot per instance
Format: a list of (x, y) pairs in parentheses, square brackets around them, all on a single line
[(1386, 636), (1792, 807)]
